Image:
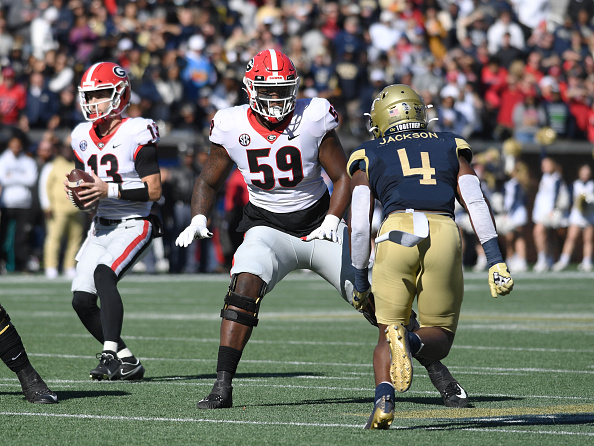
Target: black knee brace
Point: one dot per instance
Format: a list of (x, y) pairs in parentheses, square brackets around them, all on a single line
[(249, 304)]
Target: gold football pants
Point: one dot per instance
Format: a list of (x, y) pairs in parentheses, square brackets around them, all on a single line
[(431, 270)]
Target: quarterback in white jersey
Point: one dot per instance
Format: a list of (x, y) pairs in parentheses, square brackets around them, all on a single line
[(280, 145), (121, 155)]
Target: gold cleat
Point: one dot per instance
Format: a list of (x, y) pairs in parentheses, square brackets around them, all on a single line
[(382, 415), (401, 369)]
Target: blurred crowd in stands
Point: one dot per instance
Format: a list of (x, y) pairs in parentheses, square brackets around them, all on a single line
[(509, 71)]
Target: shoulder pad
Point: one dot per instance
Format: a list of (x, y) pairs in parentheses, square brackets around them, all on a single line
[(354, 160), (145, 131)]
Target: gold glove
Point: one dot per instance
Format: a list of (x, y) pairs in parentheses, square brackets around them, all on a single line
[(500, 281), (360, 299)]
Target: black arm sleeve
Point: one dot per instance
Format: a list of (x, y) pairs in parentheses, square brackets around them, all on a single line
[(147, 161), (78, 164)]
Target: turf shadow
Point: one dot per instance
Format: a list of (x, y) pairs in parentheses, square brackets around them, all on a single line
[(213, 376), (565, 419), (65, 395)]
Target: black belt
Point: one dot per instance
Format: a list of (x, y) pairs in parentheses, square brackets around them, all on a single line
[(109, 222)]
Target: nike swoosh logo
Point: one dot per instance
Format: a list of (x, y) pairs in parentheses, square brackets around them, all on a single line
[(18, 355), (133, 370), (116, 145), (292, 137), (462, 393)]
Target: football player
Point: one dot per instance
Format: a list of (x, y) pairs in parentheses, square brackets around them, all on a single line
[(416, 175), (12, 352), (280, 145), (121, 155)]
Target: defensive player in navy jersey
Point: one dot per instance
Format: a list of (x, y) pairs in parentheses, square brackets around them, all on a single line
[(416, 175), (280, 145)]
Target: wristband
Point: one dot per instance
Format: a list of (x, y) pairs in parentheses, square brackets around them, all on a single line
[(136, 194), (492, 252), (361, 279), (113, 190)]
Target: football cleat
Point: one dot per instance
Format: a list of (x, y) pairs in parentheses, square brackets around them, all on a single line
[(34, 388), (221, 397), (382, 415), (454, 396), (130, 369), (401, 368), (108, 367), (451, 391)]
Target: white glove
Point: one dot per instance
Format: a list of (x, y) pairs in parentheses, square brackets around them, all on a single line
[(328, 230), (197, 229)]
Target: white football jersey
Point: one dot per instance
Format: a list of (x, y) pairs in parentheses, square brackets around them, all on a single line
[(112, 159), (280, 167)]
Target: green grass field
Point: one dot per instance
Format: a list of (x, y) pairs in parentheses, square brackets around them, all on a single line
[(526, 360)]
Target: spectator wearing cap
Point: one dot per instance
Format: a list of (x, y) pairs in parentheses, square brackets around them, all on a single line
[(558, 115), (13, 98), (198, 71)]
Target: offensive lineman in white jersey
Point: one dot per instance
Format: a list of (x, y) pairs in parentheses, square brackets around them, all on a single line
[(121, 154), (280, 145)]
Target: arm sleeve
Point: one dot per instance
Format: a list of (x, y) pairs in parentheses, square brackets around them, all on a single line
[(360, 227), (147, 161)]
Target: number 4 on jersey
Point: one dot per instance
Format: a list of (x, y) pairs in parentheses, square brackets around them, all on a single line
[(426, 170)]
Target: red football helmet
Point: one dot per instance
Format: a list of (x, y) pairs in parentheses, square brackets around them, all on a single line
[(271, 83), (104, 76)]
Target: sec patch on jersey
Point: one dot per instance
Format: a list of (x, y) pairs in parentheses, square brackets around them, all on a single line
[(75, 178)]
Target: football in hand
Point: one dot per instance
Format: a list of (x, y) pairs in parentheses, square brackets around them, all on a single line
[(75, 179)]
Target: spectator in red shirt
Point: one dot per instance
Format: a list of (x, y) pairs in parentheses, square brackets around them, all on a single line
[(13, 98)]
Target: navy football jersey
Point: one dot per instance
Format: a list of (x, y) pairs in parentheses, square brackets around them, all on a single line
[(412, 170)]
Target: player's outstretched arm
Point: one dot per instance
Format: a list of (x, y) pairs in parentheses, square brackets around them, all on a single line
[(481, 217), (333, 160), (360, 236), (216, 170)]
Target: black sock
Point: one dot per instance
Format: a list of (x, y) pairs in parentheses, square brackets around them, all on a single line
[(12, 350), (227, 362)]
